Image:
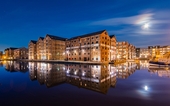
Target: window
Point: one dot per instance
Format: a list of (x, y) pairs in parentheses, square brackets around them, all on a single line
[(96, 41), (96, 47), (96, 58)]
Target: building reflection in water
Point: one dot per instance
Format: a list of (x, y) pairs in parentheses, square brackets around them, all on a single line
[(94, 77), (125, 70), (143, 64), (161, 72), (1, 63), (47, 73), (15, 66)]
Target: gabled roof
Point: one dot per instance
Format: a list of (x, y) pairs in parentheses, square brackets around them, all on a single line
[(12, 48), (41, 38), (56, 37), (90, 34), (33, 41), (112, 36)]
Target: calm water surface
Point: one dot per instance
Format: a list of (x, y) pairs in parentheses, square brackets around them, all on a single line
[(48, 84)]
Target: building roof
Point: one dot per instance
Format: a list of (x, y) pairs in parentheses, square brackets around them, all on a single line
[(41, 38), (112, 36), (12, 48), (90, 34), (56, 37), (33, 41)]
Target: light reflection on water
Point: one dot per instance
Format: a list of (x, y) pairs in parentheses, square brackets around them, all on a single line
[(132, 80)]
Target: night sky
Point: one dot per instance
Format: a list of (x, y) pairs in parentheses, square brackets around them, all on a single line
[(140, 22)]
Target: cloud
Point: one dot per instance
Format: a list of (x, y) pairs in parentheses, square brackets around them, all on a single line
[(151, 17), (137, 19)]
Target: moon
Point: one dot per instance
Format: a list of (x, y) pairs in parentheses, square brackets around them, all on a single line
[(146, 26)]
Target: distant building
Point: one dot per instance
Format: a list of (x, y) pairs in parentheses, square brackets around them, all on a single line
[(164, 50), (96, 46), (143, 53), (9, 53), (137, 52), (32, 50), (21, 53), (154, 51), (125, 50)]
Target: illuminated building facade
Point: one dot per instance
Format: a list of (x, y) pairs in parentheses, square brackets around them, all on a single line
[(97, 47), (40, 48), (164, 50), (49, 48), (143, 53), (125, 51), (54, 48), (21, 53), (32, 48), (158, 51), (9, 53), (113, 41)]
